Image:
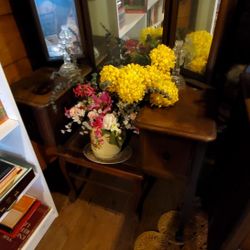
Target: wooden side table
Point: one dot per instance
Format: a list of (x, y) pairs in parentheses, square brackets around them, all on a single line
[(72, 152), (173, 142)]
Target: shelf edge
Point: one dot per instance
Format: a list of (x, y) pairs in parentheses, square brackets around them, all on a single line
[(7, 127)]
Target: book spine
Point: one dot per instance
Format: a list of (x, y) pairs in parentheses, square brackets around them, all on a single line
[(26, 231), (5, 168), (8, 179), (15, 192), (13, 232)]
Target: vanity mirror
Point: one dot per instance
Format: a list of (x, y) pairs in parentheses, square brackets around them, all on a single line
[(113, 21), (200, 24), (40, 23)]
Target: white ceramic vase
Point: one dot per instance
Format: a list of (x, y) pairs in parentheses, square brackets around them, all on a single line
[(103, 150)]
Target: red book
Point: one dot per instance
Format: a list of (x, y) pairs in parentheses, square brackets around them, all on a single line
[(13, 232), (13, 193), (8, 243)]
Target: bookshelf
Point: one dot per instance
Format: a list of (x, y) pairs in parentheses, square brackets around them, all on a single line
[(14, 140), (131, 20), (6, 127), (151, 3), (108, 13)]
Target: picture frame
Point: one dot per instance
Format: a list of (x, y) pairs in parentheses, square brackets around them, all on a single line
[(34, 25), (51, 16)]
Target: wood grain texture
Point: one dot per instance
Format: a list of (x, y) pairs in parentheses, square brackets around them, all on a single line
[(161, 155), (5, 7), (17, 70), (13, 56), (246, 243), (12, 48), (188, 118), (101, 219), (93, 221), (184, 13)]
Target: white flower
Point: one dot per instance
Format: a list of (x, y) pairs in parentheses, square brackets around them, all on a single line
[(77, 112), (109, 121), (92, 115)]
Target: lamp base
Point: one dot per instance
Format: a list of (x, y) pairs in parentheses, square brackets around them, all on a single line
[(179, 81), (67, 69)]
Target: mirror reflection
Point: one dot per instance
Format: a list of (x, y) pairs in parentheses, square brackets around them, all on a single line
[(125, 29), (54, 17), (196, 21)]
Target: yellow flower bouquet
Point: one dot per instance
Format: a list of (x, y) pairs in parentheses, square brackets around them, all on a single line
[(137, 51), (133, 82), (109, 103), (197, 47)]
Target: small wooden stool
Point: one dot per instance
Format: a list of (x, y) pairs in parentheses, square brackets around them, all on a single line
[(72, 152)]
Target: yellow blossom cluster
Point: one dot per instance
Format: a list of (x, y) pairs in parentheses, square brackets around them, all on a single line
[(110, 74), (154, 33), (197, 47), (131, 87), (127, 81), (162, 82), (132, 81), (163, 58)]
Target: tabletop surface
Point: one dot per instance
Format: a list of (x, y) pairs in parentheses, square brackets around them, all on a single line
[(189, 117)]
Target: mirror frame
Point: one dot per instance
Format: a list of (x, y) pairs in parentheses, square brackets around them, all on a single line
[(226, 10)]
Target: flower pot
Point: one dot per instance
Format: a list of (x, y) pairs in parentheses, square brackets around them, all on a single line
[(101, 147)]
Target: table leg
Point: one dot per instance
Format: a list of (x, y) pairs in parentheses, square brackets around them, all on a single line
[(196, 160), (73, 192), (148, 183)]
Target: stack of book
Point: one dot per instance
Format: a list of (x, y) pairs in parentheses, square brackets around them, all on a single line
[(14, 178), (17, 224), (16, 221)]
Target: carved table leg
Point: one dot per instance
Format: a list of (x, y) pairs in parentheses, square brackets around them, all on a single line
[(148, 183), (73, 192), (197, 156)]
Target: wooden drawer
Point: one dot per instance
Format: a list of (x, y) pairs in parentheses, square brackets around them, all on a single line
[(165, 156)]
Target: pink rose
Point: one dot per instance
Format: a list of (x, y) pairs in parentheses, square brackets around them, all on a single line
[(84, 90), (97, 122)]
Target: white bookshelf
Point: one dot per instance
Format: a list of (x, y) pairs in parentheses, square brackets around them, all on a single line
[(7, 127), (106, 12), (131, 20), (15, 140), (150, 3)]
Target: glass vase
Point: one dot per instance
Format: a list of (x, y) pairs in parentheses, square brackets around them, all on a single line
[(176, 74)]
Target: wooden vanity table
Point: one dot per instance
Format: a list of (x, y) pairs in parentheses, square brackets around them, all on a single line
[(173, 142)]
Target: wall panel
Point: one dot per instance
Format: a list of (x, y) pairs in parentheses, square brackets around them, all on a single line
[(4, 7), (13, 56)]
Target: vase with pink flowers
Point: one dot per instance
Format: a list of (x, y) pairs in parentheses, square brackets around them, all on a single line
[(109, 103), (105, 119)]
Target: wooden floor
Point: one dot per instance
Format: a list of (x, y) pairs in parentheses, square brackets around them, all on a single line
[(102, 219)]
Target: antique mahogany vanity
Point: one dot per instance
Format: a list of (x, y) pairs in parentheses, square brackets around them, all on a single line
[(172, 141), (171, 144)]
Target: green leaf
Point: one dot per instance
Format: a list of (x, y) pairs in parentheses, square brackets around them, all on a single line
[(104, 85), (112, 139)]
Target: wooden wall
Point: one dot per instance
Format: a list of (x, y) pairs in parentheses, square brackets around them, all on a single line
[(246, 243), (13, 56)]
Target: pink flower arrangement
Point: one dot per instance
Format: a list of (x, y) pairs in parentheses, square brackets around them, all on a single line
[(97, 111)]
